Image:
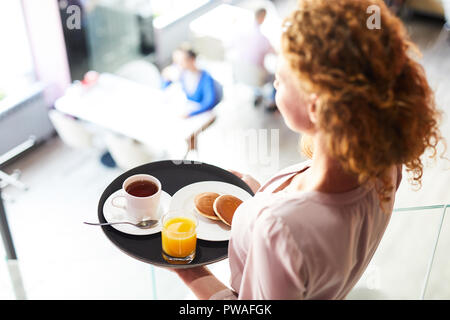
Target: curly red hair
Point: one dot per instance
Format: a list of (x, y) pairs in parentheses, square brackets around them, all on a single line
[(375, 105)]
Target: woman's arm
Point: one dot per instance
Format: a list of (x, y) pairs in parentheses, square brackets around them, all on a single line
[(201, 281)]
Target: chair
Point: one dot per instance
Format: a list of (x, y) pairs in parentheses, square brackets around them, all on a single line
[(253, 77), (248, 74), (14, 178), (142, 72), (128, 153), (71, 131), (192, 140)]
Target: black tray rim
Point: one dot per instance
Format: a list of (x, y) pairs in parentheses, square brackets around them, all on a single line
[(130, 172)]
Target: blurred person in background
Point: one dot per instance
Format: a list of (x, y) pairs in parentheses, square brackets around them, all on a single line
[(202, 90), (251, 47)]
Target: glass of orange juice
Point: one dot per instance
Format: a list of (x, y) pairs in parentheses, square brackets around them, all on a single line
[(179, 237)]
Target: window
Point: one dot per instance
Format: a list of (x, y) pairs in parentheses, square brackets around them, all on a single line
[(168, 11), (16, 62)]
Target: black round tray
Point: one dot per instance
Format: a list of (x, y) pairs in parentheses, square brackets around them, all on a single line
[(174, 175)]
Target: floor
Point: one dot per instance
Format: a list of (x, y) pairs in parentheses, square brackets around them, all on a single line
[(61, 258)]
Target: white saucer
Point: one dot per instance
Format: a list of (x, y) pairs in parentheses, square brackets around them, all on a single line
[(114, 214), (212, 230)]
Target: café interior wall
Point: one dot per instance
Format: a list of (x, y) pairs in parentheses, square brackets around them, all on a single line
[(47, 46)]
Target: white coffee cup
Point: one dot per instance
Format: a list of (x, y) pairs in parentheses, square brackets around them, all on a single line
[(139, 208)]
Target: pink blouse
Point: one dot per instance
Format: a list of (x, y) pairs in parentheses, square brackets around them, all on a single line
[(304, 245)]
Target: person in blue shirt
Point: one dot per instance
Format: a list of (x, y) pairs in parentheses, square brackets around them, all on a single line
[(199, 86)]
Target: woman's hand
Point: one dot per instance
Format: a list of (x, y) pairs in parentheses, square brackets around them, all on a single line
[(248, 179), (201, 281)]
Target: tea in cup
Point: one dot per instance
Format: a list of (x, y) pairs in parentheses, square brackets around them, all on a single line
[(142, 193)]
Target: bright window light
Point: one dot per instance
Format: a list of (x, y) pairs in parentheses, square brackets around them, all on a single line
[(16, 62), (168, 11)]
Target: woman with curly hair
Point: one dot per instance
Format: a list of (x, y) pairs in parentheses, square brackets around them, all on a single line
[(367, 109)]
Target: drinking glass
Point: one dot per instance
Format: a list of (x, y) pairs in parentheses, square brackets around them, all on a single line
[(179, 237)]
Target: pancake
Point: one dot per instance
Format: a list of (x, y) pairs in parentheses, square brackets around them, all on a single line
[(204, 204), (225, 206)]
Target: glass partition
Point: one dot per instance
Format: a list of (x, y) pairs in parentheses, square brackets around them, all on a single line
[(411, 261), (403, 261), (110, 34), (439, 278)]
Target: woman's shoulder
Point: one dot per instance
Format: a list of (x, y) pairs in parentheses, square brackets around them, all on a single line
[(274, 207), (314, 211), (295, 167), (286, 207), (284, 172)]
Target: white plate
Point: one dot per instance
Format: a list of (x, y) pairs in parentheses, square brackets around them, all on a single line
[(212, 230), (114, 214)]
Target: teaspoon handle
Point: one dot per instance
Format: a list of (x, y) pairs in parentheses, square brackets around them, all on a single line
[(107, 223)]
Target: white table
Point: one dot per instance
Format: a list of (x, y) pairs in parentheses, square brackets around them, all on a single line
[(149, 115)]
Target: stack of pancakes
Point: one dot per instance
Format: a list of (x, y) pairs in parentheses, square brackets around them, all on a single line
[(217, 207)]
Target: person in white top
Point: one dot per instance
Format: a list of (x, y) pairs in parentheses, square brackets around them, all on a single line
[(202, 91), (253, 46), (249, 50)]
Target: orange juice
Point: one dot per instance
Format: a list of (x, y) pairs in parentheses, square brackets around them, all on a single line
[(179, 237)]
